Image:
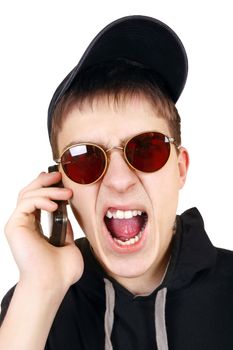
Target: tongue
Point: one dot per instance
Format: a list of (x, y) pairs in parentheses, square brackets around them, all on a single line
[(124, 229)]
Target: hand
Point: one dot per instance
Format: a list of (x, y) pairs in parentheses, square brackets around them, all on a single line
[(41, 264)]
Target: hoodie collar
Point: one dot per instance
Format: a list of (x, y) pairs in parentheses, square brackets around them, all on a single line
[(192, 251)]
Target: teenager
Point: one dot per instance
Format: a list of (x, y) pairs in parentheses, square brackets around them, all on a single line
[(143, 277)]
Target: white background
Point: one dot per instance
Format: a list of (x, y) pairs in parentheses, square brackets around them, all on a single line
[(41, 41)]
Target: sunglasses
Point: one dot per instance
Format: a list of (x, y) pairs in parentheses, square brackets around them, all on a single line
[(86, 163)]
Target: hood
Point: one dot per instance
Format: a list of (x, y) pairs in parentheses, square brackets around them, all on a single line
[(192, 251)]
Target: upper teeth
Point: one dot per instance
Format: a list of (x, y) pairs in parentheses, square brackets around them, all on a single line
[(123, 214)]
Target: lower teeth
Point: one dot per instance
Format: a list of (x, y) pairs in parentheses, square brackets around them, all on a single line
[(131, 241)]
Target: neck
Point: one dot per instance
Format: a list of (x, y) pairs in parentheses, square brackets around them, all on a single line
[(149, 281)]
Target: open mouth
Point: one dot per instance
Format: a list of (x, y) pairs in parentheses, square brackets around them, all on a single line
[(125, 226)]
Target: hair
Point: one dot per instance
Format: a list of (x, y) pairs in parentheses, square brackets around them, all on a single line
[(118, 80)]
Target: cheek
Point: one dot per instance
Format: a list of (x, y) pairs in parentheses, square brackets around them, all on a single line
[(169, 183), (163, 188), (83, 205)]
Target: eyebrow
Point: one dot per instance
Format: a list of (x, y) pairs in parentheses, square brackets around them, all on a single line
[(105, 147)]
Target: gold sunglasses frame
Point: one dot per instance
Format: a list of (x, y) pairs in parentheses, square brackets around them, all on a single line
[(167, 139)]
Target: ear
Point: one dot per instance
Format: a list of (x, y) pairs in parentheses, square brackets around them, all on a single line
[(183, 164)]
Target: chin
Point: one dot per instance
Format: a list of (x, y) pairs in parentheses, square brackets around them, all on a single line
[(124, 265), (126, 260)]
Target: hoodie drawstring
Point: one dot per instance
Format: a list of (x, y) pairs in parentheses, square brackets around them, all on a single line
[(160, 323), (109, 313)]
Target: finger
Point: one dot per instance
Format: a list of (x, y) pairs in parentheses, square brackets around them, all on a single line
[(24, 214), (43, 180), (55, 193), (30, 205)]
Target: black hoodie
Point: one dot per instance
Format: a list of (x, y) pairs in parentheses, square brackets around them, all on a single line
[(192, 309)]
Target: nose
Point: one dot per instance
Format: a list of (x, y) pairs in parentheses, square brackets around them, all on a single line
[(119, 176)]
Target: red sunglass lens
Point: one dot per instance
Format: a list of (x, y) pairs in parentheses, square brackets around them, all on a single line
[(84, 164), (148, 152)]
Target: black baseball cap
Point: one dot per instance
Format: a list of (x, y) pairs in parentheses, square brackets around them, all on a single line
[(141, 39)]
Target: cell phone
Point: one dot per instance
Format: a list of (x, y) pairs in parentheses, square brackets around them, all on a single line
[(58, 221)]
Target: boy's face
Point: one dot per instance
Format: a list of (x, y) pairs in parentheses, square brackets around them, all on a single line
[(122, 188)]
